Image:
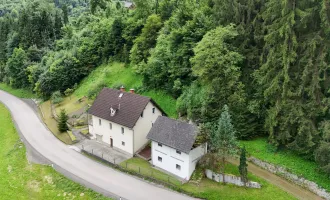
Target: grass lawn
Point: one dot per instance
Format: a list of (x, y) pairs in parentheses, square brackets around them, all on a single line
[(52, 123), (21, 93), (260, 149), (119, 74), (21, 180), (143, 167), (212, 190)]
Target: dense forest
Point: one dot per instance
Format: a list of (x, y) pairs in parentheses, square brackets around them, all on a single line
[(268, 60)]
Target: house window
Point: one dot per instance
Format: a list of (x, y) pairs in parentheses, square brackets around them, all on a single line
[(142, 114), (178, 167), (100, 123), (160, 159), (160, 145), (123, 143), (122, 130), (110, 126), (153, 110), (178, 152)]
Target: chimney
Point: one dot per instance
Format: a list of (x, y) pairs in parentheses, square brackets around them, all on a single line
[(132, 91), (122, 89)]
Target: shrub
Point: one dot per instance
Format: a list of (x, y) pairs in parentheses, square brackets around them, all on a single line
[(57, 97), (96, 90)]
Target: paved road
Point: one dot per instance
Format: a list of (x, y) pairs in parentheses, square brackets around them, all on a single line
[(76, 166)]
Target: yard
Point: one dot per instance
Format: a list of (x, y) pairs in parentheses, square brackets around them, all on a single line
[(21, 180), (52, 123), (296, 164), (209, 189)]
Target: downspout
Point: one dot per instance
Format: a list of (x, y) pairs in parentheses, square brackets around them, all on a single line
[(133, 141)]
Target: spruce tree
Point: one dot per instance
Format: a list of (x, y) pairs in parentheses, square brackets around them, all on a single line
[(65, 14), (294, 74), (62, 121), (223, 140), (243, 166)]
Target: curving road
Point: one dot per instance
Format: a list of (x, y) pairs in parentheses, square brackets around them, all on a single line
[(76, 166)]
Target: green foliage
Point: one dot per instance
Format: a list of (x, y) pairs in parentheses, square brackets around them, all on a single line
[(243, 166), (262, 149), (62, 121), (68, 92), (223, 140), (21, 93), (146, 41), (16, 69), (322, 157), (93, 92), (56, 97)]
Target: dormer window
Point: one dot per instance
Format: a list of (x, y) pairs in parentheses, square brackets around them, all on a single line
[(112, 112), (142, 114)]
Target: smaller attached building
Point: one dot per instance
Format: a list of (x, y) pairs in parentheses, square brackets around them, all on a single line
[(173, 147)]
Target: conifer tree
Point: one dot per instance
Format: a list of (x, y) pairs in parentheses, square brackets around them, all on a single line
[(62, 123), (243, 166), (223, 140)]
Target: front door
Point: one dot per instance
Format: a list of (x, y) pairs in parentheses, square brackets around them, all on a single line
[(111, 142)]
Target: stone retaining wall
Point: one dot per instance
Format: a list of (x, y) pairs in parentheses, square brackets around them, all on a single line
[(230, 179), (311, 186)]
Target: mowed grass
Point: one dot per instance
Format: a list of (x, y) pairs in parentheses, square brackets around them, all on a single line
[(116, 74), (21, 93), (294, 163), (212, 190), (21, 180), (51, 123)]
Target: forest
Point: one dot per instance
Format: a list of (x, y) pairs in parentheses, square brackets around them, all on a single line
[(268, 60)]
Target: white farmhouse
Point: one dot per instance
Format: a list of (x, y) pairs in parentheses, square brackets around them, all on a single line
[(173, 146), (122, 119)]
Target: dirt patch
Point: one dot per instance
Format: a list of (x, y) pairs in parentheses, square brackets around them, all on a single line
[(34, 185)]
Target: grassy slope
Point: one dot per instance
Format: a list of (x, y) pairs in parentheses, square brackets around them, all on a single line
[(259, 148), (117, 74), (21, 180), (212, 190), (21, 93)]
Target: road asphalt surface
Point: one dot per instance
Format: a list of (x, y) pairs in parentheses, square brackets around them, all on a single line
[(76, 166)]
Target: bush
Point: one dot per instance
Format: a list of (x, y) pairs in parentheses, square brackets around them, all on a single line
[(322, 157), (57, 97), (96, 90)]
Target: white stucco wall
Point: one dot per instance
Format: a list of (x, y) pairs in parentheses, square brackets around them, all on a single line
[(195, 155), (114, 133), (143, 126), (170, 158)]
